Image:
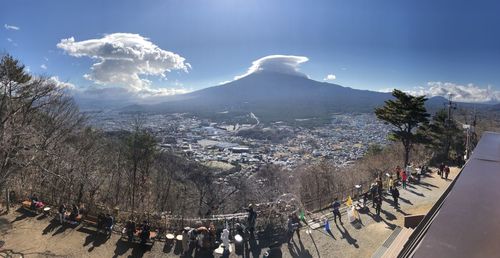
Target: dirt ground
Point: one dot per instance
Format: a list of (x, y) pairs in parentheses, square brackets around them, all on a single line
[(25, 235)]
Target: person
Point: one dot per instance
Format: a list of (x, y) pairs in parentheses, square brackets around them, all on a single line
[(130, 230), (62, 212), (145, 230), (378, 205), (441, 168), (365, 199), (252, 218), (274, 251), (292, 226), (100, 221), (211, 237), (398, 172), (395, 196), (108, 224), (404, 179), (373, 192), (336, 212), (34, 201), (297, 222), (423, 170), (380, 186), (446, 171), (74, 213), (391, 183), (193, 235), (185, 239)]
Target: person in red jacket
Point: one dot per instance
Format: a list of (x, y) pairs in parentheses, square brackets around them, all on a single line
[(404, 178)]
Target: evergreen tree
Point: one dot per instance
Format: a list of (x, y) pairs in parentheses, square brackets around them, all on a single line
[(406, 114), (446, 139)]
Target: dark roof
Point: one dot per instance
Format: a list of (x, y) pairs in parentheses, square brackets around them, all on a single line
[(467, 221)]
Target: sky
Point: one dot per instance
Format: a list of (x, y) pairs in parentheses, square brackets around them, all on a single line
[(432, 47)]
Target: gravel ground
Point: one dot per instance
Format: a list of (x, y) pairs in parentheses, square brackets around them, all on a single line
[(37, 237)]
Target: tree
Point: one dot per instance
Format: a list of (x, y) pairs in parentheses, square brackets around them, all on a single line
[(446, 139), (141, 150), (34, 113), (406, 114)]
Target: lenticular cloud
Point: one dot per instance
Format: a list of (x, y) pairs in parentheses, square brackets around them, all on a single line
[(277, 63), (122, 58)]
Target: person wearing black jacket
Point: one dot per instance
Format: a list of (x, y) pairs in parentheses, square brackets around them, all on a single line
[(395, 196), (62, 211), (252, 218)]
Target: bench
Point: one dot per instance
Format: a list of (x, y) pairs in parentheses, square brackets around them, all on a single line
[(76, 221), (26, 205), (90, 221), (137, 240)]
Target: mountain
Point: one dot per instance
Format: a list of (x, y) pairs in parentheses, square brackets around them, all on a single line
[(273, 96)]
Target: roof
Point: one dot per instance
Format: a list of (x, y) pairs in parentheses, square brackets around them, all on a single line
[(467, 222)]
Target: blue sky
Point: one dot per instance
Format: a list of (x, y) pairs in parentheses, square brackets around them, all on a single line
[(414, 45)]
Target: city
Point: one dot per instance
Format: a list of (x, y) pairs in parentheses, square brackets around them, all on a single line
[(224, 146)]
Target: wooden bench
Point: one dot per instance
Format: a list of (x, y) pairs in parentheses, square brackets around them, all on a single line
[(26, 205), (137, 239), (76, 221), (90, 221)]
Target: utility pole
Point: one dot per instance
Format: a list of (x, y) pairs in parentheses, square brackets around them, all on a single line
[(470, 130), (450, 105)]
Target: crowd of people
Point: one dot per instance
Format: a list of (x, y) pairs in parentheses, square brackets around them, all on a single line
[(143, 231), (71, 216), (202, 237)]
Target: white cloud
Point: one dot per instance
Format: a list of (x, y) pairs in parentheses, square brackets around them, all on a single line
[(9, 39), (460, 93), (277, 63), (122, 58), (43, 66), (330, 77), (11, 27), (386, 90), (61, 84)]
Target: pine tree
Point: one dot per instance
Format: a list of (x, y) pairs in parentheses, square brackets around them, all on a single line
[(446, 139), (407, 114)]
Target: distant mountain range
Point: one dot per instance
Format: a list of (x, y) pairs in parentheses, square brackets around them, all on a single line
[(273, 96)]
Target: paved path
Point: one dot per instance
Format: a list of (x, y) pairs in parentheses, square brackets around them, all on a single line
[(346, 240), (35, 237)]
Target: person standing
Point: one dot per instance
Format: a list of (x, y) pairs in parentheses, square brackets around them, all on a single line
[(336, 211), (373, 192), (395, 196), (398, 172), (252, 217), (292, 227), (391, 183), (446, 171), (378, 205), (185, 239), (404, 178), (296, 220), (441, 169), (380, 186)]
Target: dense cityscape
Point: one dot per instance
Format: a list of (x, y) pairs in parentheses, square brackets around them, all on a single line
[(221, 145)]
